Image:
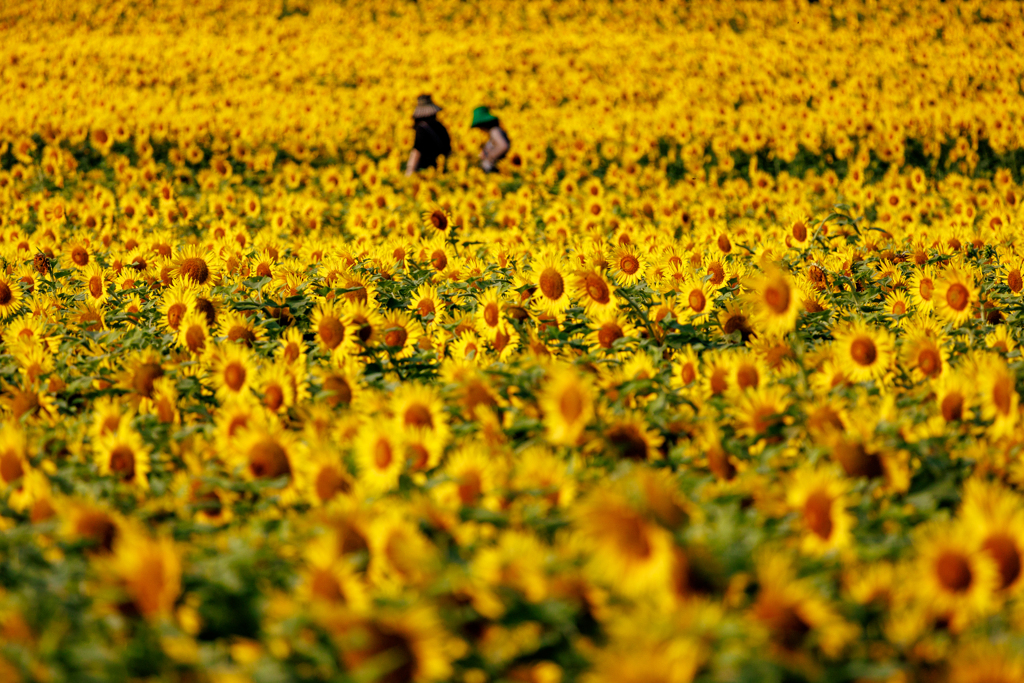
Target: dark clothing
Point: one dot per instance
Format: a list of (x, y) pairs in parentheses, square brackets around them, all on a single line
[(432, 141)]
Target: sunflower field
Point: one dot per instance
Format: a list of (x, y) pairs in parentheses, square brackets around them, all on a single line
[(716, 379)]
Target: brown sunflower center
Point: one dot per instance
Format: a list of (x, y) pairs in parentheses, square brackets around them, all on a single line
[(818, 514), (145, 375), (396, 337), (340, 393), (1002, 392), (6, 295), (597, 289), (418, 415), (80, 256), (954, 572), (122, 462), (629, 264), (953, 407), (10, 467), (439, 220), (331, 331), (863, 351), (747, 377), (329, 484), (1015, 281), (243, 334), (570, 405), (925, 288), (608, 333), (551, 284), (627, 441), (697, 301), (382, 454), (195, 339), (174, 315), (1006, 554), (929, 362), (268, 460), (491, 314), (234, 376), (777, 297), (195, 269), (273, 397), (957, 297)]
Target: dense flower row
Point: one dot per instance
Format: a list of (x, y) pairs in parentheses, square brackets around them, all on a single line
[(625, 411)]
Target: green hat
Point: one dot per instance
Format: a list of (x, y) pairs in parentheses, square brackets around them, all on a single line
[(482, 115)]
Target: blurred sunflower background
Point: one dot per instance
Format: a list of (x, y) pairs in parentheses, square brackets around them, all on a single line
[(717, 379)]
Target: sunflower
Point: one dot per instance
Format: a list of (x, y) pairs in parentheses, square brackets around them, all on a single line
[(629, 437), (897, 305), (818, 495), (123, 455), (233, 370), (437, 220), (238, 328), (998, 393), (13, 453), (328, 579), (327, 477), (393, 647), (276, 385), (627, 264), (686, 368), (925, 355), (419, 406), (266, 451), (954, 577), (427, 303), (982, 661), (141, 369), (474, 478), (774, 301), (149, 570), (736, 318), (593, 291), (197, 265), (177, 300), (292, 349), (864, 352), (996, 516), (758, 411), (489, 307), (609, 328), (567, 404), (551, 290), (378, 456), (922, 288), (10, 296), (333, 328), (954, 396), (793, 611), (423, 448), (193, 333), (696, 300), (400, 334), (625, 547), (1000, 340), (955, 296)]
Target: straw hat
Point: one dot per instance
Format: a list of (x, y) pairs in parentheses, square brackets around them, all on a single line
[(425, 107)]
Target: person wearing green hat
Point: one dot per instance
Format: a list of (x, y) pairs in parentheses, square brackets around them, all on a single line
[(497, 145)]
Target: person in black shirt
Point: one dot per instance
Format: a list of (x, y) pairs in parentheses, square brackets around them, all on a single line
[(432, 138)]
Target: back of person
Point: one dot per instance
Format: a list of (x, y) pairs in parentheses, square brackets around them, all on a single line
[(432, 140)]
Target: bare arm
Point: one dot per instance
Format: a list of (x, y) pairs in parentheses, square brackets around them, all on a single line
[(414, 160), (499, 147)]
